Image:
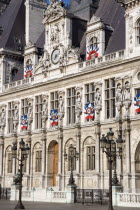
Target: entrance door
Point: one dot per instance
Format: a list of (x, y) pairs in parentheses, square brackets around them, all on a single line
[(55, 164)]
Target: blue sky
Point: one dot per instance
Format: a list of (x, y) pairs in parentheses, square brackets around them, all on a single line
[(67, 1)]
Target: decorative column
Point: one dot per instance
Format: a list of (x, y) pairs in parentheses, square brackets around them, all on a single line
[(97, 108), (61, 113), (127, 132), (119, 104), (28, 167), (43, 139), (78, 111), (1, 157)]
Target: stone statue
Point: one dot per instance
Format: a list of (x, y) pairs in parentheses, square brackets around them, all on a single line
[(61, 105), (16, 114), (45, 108), (3, 119), (78, 102), (97, 97), (30, 111), (119, 93), (127, 94)]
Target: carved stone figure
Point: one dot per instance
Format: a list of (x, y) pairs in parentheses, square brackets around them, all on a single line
[(45, 108), (97, 97), (61, 105), (119, 93), (3, 119), (16, 118), (30, 111), (78, 102), (127, 94), (55, 33)]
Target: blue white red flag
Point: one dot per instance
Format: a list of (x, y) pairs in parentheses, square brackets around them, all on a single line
[(24, 122), (28, 71), (54, 117), (89, 111), (92, 52), (137, 104)]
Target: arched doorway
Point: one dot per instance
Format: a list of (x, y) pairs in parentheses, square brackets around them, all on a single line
[(52, 163), (137, 167)]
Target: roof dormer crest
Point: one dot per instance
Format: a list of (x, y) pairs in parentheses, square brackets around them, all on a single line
[(54, 11)]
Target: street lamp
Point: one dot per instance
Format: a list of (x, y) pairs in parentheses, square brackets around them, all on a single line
[(71, 156), (20, 156), (108, 145)]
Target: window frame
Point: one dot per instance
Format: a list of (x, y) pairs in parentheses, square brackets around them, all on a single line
[(71, 105), (110, 94)]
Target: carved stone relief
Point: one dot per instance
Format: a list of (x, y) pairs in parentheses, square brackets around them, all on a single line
[(16, 115), (44, 110), (61, 108), (2, 118), (78, 107)]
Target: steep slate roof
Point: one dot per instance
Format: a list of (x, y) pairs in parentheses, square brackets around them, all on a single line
[(113, 14), (13, 23)]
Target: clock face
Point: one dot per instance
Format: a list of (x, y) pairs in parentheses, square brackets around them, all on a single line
[(55, 56)]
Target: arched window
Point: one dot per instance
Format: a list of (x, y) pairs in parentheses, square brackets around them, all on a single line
[(138, 31), (14, 73), (37, 157), (89, 148)]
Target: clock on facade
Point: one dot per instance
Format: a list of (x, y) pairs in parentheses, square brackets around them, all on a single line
[(55, 57)]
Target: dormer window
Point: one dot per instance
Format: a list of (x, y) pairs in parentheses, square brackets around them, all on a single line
[(14, 73), (138, 31)]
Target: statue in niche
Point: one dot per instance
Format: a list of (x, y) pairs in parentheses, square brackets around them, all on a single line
[(78, 102), (45, 108), (97, 97), (16, 114), (127, 94), (16, 118), (61, 105), (3, 119), (30, 111), (119, 93)]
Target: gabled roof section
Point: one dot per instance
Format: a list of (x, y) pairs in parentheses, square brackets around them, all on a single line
[(112, 13), (12, 22)]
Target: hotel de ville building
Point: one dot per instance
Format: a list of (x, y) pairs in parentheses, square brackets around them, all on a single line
[(67, 75)]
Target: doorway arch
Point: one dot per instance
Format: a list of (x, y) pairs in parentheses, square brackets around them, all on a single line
[(52, 163)]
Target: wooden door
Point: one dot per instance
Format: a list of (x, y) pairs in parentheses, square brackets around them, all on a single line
[(55, 164)]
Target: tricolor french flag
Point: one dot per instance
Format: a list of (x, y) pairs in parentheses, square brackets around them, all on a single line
[(92, 52), (137, 103), (89, 111), (54, 117)]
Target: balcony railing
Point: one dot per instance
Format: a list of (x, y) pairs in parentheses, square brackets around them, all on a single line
[(19, 83), (106, 58)]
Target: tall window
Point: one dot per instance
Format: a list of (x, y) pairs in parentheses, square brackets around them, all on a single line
[(74, 160), (110, 98), (71, 101), (54, 100), (9, 162), (89, 95), (38, 161), (138, 31), (10, 117), (38, 112), (91, 158), (24, 106)]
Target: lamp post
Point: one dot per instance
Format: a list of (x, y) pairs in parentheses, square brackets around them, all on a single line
[(71, 156), (22, 155), (108, 146)]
